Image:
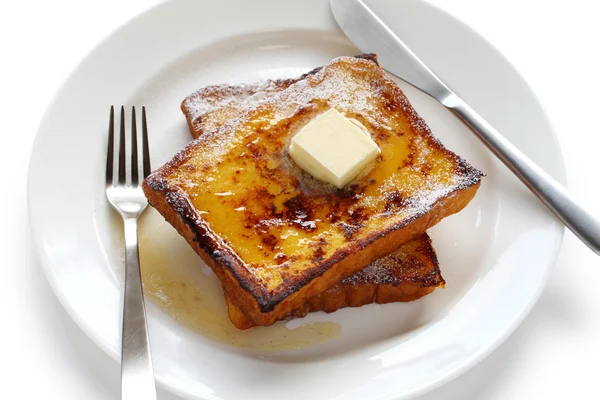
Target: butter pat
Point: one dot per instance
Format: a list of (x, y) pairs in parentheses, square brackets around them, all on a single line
[(333, 149)]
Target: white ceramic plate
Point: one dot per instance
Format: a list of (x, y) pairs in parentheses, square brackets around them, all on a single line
[(495, 255)]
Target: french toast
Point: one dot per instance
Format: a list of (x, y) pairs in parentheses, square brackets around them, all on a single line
[(210, 107), (406, 274), (274, 235)]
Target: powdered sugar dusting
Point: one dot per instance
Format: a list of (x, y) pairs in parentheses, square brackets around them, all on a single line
[(232, 99), (214, 97)]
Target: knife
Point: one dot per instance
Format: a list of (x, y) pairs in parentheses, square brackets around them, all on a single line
[(364, 28)]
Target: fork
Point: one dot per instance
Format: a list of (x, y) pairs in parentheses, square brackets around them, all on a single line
[(127, 198)]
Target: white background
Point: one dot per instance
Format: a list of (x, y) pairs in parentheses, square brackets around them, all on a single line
[(554, 44)]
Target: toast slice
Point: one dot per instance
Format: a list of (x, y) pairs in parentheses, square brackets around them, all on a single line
[(406, 274), (210, 107), (275, 236)]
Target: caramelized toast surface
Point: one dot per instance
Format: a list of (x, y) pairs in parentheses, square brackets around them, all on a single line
[(406, 274), (275, 236)]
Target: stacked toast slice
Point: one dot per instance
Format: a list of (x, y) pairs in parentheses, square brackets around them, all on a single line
[(284, 244)]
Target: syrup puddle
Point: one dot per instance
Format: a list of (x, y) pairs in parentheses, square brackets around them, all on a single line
[(179, 282)]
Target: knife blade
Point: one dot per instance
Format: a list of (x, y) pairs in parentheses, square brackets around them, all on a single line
[(368, 32)]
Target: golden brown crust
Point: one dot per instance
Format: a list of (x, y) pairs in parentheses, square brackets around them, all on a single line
[(401, 217), (406, 274)]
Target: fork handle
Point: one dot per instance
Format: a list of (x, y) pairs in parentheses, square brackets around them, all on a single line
[(579, 219), (137, 377)]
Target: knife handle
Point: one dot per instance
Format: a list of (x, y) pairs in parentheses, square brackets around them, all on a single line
[(578, 218)]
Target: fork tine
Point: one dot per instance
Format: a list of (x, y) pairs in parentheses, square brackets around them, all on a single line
[(110, 150), (122, 148), (146, 150), (134, 149)]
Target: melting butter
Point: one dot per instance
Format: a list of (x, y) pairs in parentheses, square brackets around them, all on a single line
[(333, 148), (179, 282)]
